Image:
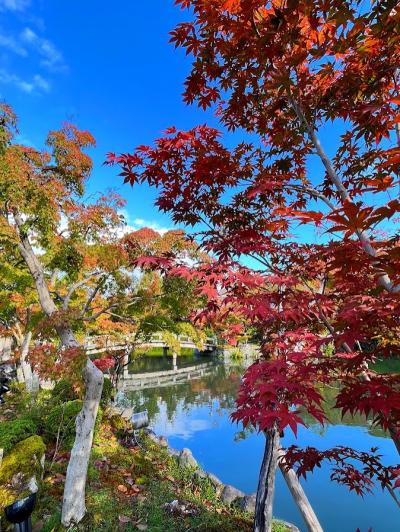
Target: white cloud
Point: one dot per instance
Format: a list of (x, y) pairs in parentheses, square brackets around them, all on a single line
[(139, 223), (14, 5), (52, 58), (41, 83), (37, 83), (7, 41)]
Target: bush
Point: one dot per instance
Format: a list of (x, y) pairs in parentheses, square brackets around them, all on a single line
[(12, 432), (63, 392), (61, 422), (107, 393)]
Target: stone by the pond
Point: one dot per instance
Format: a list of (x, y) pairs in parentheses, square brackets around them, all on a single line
[(163, 441), (248, 503), (215, 481), (186, 459), (173, 452), (199, 473), (290, 526), (230, 494)]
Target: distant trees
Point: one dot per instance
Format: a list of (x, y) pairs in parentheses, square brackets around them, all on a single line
[(67, 272), (318, 297)]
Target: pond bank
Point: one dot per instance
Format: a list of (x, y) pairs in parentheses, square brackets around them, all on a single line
[(228, 494)]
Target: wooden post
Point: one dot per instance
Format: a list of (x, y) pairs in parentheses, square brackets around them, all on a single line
[(306, 510)]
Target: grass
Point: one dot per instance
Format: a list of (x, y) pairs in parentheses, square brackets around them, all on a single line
[(128, 488)]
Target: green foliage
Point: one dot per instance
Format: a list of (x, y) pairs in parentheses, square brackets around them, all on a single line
[(12, 432), (61, 422), (107, 393), (24, 461), (236, 354), (63, 392)]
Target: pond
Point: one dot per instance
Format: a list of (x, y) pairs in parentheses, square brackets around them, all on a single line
[(195, 414)]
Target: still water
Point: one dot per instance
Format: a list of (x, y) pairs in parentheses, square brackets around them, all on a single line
[(195, 414)]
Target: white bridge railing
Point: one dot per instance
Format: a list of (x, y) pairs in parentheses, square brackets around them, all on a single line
[(101, 344)]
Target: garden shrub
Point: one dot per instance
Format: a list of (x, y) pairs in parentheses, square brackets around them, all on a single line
[(107, 393), (61, 422), (63, 392), (12, 432)]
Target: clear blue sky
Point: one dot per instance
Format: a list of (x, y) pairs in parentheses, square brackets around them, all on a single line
[(109, 68), (106, 66)]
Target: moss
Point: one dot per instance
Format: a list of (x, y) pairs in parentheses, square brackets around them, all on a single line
[(61, 422), (23, 460), (12, 432)]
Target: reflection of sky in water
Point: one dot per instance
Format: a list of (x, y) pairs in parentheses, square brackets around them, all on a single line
[(181, 426), (191, 417)]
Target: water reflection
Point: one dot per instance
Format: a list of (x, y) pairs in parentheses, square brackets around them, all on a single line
[(195, 414)]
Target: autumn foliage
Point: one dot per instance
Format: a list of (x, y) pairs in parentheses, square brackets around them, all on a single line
[(304, 240)]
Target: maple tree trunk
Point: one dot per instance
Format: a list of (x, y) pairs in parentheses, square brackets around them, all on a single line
[(74, 507), (25, 366), (306, 510), (266, 483)]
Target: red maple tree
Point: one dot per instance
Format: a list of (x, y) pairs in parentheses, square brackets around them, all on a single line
[(287, 72)]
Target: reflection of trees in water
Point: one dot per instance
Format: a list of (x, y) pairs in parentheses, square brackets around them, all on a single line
[(219, 391), (334, 416), (221, 386)]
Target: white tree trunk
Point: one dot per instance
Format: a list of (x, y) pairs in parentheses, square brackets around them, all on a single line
[(74, 509), (25, 366), (266, 483)]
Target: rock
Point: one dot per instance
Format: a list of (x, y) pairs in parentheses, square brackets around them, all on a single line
[(153, 437), (215, 481), (290, 526), (230, 494), (248, 503), (173, 452), (199, 473), (186, 459), (163, 441), (127, 413)]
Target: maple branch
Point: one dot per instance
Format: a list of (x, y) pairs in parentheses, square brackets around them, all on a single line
[(93, 294), (77, 285), (315, 193), (383, 278)]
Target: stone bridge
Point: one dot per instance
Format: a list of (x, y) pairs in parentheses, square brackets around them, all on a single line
[(142, 381), (101, 344)]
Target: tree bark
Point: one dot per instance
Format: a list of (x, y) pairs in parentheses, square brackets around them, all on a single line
[(74, 490), (73, 508), (306, 510), (25, 366), (266, 483)]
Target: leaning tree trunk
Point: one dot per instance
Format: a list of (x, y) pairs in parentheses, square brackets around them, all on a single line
[(266, 483), (73, 508), (74, 491)]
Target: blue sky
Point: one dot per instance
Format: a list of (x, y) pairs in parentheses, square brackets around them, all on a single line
[(108, 67)]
